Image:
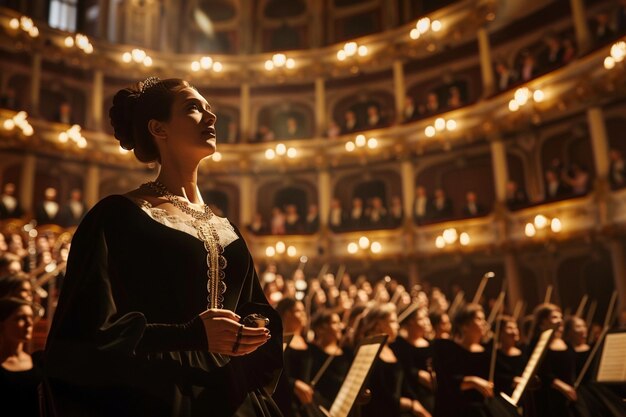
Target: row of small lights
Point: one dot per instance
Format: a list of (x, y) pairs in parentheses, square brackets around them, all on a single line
[(361, 142), (351, 49), (81, 41), (279, 248), (617, 54), (424, 25), (450, 236), (279, 61), (281, 150), (21, 121), (523, 95), (440, 125), (73, 133), (26, 24), (541, 222), (364, 244), (139, 56), (206, 63)]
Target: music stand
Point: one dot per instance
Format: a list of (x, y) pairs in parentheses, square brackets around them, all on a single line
[(366, 353)]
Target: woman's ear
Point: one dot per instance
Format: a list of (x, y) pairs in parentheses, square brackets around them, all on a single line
[(157, 129)]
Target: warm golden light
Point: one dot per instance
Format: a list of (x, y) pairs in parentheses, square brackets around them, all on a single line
[(195, 66), (451, 124), (291, 251), (270, 154), (464, 239), (450, 236), (292, 153), (423, 25), (440, 123), (429, 131), (376, 247), (538, 96), (609, 62), (435, 25), (372, 143), (414, 34), (127, 57), (280, 247), (540, 221), (69, 41), (364, 242), (350, 146), (352, 248), (360, 141), (513, 106), (555, 225), (281, 149), (218, 67), (529, 230), (206, 62), (270, 251), (362, 50), (440, 243), (216, 156)]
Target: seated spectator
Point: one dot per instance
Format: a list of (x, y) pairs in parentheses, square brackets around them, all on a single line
[(377, 214), (47, 212), (472, 208), (336, 217), (356, 217), (20, 373), (569, 51), (9, 101), (9, 206), (603, 32), (515, 197), (277, 222), (292, 219), (74, 210), (64, 114), (312, 221), (442, 206), (617, 169), (350, 123), (555, 189), (293, 129), (454, 98), (374, 119), (257, 226), (410, 111), (264, 134), (577, 179), (528, 69), (333, 130), (432, 104), (396, 212), (506, 76), (421, 206), (552, 57)]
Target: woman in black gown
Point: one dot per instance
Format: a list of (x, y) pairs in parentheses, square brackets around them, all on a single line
[(414, 352), (133, 333), (391, 395), (511, 360), (20, 373), (327, 327)]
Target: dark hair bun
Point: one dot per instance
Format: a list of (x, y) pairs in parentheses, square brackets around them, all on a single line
[(121, 115)]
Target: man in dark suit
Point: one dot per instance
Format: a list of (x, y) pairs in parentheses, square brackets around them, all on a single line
[(515, 197), (442, 205), (336, 217), (74, 210), (422, 205), (555, 189), (312, 220), (472, 208), (9, 206), (48, 211), (356, 216)]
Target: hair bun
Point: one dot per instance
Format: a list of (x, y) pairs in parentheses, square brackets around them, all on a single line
[(121, 116)]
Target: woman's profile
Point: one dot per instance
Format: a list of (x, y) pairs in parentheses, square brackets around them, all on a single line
[(149, 317)]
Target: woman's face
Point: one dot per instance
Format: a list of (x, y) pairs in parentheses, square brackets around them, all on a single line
[(190, 132), (25, 291), (579, 332), (295, 319), (510, 333), (477, 327), (423, 322), (389, 326), (18, 327), (332, 330), (554, 320)]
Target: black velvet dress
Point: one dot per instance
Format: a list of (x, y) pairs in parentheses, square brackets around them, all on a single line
[(413, 360), (387, 383), (452, 363), (507, 368), (18, 390), (126, 339), (329, 384)]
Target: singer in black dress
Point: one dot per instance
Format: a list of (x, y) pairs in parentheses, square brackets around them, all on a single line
[(133, 334)]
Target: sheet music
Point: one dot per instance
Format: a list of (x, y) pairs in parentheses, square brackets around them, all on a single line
[(530, 368), (354, 380), (613, 360)]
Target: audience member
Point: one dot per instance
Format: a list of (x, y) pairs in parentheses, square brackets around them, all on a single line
[(555, 189), (472, 208), (64, 114), (47, 211), (396, 212), (374, 119), (515, 196), (454, 98), (410, 111), (617, 169), (356, 217), (432, 103), (278, 222), (333, 130), (577, 179), (292, 219), (257, 226), (9, 205), (506, 76), (377, 213), (422, 205), (264, 134), (74, 210), (528, 69), (350, 123), (336, 217), (442, 207), (552, 57), (312, 221)]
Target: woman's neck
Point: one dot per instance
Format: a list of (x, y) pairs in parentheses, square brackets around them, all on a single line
[(8, 350), (469, 343), (181, 181), (416, 338)]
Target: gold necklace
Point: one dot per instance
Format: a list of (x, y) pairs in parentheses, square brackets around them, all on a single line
[(216, 262)]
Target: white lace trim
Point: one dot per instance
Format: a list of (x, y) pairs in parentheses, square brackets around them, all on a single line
[(224, 229)]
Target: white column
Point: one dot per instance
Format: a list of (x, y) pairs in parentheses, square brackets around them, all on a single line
[(500, 169), (246, 201), (97, 99), (583, 36), (599, 141), (486, 65), (35, 83), (323, 196), (27, 181), (92, 185), (244, 121), (408, 188), (398, 86), (320, 106)]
